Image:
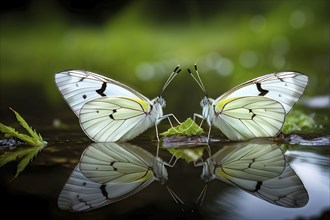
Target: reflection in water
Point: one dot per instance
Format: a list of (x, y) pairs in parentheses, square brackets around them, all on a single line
[(259, 169), (109, 172)]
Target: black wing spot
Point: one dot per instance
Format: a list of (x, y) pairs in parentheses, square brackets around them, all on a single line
[(262, 91), (84, 96), (111, 164), (102, 89), (258, 186), (253, 160), (111, 115), (104, 191), (253, 115)]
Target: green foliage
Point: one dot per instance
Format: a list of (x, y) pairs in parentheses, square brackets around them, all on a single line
[(34, 139), (187, 154), (204, 35), (298, 121), (188, 128), (24, 155)]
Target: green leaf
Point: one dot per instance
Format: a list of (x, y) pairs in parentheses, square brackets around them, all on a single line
[(185, 134), (188, 127), (187, 154), (298, 121), (34, 139), (37, 140), (25, 156), (30, 154)]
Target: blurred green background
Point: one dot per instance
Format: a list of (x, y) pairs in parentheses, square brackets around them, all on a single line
[(139, 43)]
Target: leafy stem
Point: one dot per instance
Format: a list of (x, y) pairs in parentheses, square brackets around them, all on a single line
[(25, 155)]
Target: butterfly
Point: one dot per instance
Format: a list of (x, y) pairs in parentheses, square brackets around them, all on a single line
[(108, 110), (256, 108), (259, 169), (110, 172)]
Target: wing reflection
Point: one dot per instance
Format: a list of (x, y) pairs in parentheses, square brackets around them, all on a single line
[(109, 172), (259, 169)]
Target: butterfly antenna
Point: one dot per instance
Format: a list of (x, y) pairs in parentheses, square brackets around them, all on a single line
[(170, 78), (202, 196), (197, 79), (175, 197)]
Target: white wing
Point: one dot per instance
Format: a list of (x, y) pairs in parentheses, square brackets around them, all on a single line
[(112, 163), (286, 190), (259, 169), (107, 173), (110, 119), (81, 194), (247, 117), (80, 86), (285, 87), (254, 162)]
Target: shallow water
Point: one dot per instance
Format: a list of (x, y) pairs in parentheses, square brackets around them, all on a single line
[(36, 190)]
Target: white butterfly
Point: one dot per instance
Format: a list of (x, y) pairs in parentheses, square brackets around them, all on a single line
[(110, 172), (256, 108), (108, 110), (259, 169)]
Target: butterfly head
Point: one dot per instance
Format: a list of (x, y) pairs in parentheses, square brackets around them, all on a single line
[(160, 101), (205, 102)]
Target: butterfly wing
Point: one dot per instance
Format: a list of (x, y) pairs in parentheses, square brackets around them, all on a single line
[(286, 190), (112, 163), (82, 194), (80, 86), (107, 173), (247, 117), (110, 119), (285, 87), (261, 170), (252, 162)]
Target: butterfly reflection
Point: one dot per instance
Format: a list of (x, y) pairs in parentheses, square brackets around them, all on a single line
[(259, 169), (110, 172)]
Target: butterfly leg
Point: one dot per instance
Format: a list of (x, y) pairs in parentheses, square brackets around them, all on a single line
[(161, 119), (168, 117), (208, 136), (169, 120), (201, 117), (170, 163), (198, 116)]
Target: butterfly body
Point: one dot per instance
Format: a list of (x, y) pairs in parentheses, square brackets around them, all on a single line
[(109, 111)]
